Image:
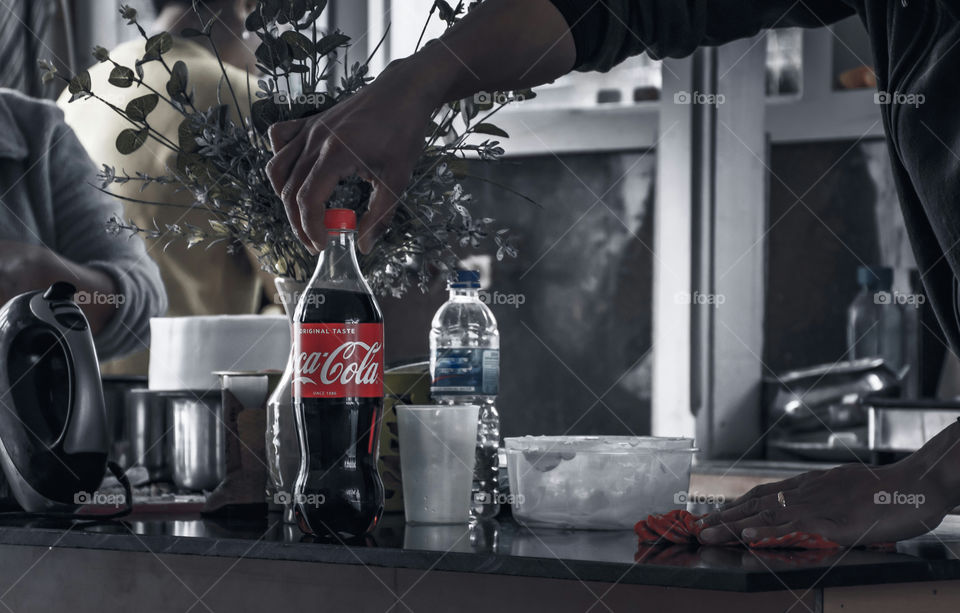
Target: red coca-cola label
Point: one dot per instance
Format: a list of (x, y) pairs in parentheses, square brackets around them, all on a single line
[(338, 360)]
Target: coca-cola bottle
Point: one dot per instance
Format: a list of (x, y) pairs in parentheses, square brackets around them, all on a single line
[(338, 391)]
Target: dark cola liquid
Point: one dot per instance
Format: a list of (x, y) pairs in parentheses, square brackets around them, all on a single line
[(342, 493)]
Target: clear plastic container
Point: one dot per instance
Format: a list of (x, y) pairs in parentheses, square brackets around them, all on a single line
[(437, 444), (598, 483)]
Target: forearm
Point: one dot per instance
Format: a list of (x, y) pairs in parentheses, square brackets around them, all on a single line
[(97, 283), (515, 44), (28, 267), (96, 290), (502, 45)]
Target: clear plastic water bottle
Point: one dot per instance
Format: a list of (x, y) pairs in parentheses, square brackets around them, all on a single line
[(875, 319), (465, 369)]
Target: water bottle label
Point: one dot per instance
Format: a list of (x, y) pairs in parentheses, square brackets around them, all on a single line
[(338, 360), (466, 371)]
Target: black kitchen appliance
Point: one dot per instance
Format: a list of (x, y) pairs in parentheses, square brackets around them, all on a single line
[(53, 435)]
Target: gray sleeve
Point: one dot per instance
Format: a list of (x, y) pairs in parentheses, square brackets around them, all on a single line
[(606, 32), (80, 215)]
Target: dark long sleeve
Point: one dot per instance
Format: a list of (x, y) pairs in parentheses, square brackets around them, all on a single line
[(606, 32), (953, 6)]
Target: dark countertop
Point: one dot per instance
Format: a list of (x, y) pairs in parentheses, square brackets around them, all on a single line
[(507, 549)]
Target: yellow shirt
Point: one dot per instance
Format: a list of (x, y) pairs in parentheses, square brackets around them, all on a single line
[(198, 281)]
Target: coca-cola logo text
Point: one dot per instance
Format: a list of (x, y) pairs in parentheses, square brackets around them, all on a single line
[(351, 362), (338, 360)]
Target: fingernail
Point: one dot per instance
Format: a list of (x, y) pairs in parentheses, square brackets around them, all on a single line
[(708, 534), (749, 533)]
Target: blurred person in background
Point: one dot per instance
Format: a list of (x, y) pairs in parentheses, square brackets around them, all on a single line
[(52, 228), (198, 281)]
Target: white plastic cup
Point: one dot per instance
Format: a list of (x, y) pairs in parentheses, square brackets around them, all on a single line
[(437, 455)]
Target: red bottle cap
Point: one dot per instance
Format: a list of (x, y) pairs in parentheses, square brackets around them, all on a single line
[(340, 219)]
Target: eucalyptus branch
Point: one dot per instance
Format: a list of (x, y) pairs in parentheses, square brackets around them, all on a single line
[(223, 161), (157, 136)]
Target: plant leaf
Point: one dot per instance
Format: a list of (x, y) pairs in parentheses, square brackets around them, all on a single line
[(273, 52), (80, 83), (130, 140), (139, 108), (264, 113), (317, 7), (121, 76), (266, 12), (330, 42), (254, 21), (489, 128), (301, 47), (177, 85), (295, 10), (219, 228), (446, 12), (157, 45), (186, 137)]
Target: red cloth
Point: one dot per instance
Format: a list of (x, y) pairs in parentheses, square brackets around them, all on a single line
[(681, 527)]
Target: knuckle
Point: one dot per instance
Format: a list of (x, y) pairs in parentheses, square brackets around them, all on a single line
[(311, 218), (752, 506), (326, 142), (273, 173), (769, 516), (303, 196), (288, 196)]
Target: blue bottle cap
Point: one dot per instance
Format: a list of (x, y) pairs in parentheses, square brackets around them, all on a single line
[(467, 278), (875, 277)]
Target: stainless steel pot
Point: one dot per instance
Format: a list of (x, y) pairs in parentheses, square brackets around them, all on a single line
[(146, 432), (904, 425), (825, 397), (196, 440), (115, 388)]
